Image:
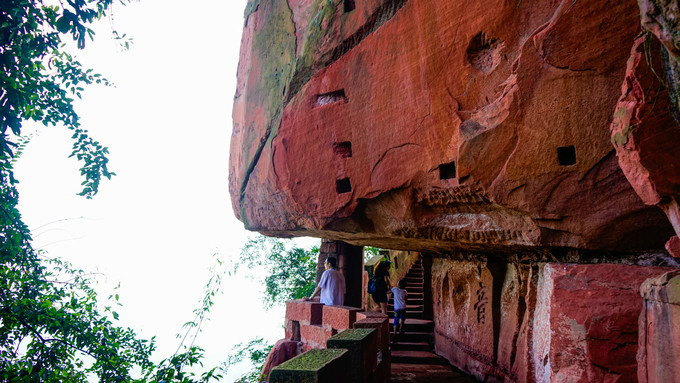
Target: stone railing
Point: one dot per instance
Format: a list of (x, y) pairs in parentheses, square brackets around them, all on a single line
[(339, 343)]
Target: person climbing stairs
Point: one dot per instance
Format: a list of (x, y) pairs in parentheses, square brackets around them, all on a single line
[(413, 350)]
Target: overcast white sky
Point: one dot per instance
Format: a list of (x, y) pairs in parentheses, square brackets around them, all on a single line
[(155, 226)]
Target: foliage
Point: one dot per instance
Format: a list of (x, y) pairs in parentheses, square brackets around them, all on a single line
[(173, 369), (370, 252), (256, 352), (40, 80), (53, 327), (290, 271)]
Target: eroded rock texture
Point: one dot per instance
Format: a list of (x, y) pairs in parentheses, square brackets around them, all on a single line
[(546, 322), (659, 331), (424, 124)]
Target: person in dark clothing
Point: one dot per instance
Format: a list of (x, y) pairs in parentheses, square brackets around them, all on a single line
[(382, 285)]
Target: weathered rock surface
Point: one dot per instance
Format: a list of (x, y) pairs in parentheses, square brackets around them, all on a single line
[(420, 125), (542, 322), (588, 317), (659, 330), (283, 350)]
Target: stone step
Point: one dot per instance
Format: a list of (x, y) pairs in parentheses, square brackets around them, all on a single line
[(417, 357), (414, 314), (428, 373), (418, 325), (409, 308), (415, 325), (412, 337), (409, 301), (411, 346)]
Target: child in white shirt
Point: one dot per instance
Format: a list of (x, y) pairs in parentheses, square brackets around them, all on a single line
[(399, 294)]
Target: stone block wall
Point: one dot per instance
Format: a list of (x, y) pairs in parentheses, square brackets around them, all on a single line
[(339, 318), (379, 322), (315, 366), (356, 355), (310, 324)]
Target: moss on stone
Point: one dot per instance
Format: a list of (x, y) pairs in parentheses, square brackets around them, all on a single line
[(312, 359), (250, 8), (352, 334), (274, 49), (314, 366), (621, 138), (673, 290), (311, 42)]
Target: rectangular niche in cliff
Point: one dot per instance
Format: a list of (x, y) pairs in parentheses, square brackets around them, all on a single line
[(566, 155), (343, 186), (447, 171), (331, 98), (343, 149), (349, 5)]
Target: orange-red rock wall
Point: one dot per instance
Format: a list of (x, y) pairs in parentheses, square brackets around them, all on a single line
[(421, 125), (495, 128), (539, 322), (659, 330)]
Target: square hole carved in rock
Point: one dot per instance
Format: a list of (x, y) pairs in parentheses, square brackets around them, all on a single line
[(566, 155), (447, 171), (342, 149), (343, 186)]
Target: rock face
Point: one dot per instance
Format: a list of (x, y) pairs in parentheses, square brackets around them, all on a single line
[(659, 352), (592, 312), (419, 125), (282, 351), (544, 322), (527, 149)]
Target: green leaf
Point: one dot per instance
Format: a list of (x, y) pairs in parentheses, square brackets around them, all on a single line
[(63, 24)]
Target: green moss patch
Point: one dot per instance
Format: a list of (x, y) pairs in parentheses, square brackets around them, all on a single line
[(312, 360), (352, 334)]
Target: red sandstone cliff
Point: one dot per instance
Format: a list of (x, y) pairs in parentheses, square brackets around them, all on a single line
[(426, 124)]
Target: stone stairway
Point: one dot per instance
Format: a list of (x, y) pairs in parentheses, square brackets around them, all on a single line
[(414, 346), (413, 357)]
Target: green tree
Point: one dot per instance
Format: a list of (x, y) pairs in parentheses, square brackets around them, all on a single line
[(255, 352), (53, 327), (290, 271), (40, 80), (370, 252)]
